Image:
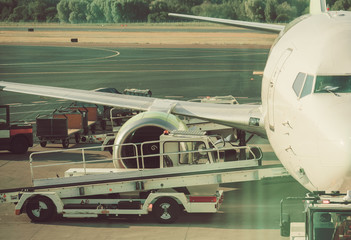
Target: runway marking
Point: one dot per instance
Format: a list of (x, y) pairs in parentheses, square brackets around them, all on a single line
[(174, 96), (38, 103), (116, 53), (189, 57), (164, 64), (14, 113), (130, 71), (257, 73), (13, 104)]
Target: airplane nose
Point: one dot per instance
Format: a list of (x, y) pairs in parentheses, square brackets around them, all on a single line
[(336, 163), (332, 171)]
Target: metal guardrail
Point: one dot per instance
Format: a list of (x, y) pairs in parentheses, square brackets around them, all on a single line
[(136, 156)]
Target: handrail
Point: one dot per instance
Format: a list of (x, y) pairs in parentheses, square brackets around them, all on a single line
[(84, 162)]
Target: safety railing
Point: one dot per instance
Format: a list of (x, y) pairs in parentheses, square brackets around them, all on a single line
[(138, 155)]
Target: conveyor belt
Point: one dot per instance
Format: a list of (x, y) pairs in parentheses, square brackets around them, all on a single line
[(140, 175)]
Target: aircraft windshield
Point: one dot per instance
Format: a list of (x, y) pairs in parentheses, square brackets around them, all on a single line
[(335, 84)]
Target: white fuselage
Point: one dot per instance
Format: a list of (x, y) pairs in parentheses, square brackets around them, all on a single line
[(309, 131)]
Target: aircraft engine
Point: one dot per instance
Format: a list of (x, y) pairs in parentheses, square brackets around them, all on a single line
[(147, 126)]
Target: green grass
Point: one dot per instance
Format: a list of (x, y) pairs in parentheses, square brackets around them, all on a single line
[(116, 25)]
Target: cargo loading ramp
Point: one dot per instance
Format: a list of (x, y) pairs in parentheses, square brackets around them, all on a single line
[(87, 181), (164, 192)]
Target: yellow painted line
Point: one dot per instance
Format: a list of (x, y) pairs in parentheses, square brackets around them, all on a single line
[(40, 102), (257, 73)]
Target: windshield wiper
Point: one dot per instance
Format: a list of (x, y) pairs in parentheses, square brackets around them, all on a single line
[(332, 90)]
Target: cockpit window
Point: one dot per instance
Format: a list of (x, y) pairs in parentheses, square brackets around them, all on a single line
[(307, 87), (335, 84), (303, 85), (298, 83)]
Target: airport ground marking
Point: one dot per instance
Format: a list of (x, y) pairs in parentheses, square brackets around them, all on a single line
[(131, 71), (116, 53)]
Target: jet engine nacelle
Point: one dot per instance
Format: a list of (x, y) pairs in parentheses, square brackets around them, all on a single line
[(146, 126)]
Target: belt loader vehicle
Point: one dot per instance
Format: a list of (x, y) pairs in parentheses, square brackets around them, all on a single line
[(191, 168)]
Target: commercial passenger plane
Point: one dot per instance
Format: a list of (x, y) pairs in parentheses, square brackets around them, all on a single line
[(306, 100)]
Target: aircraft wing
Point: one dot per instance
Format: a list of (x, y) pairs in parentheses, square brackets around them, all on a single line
[(99, 98), (275, 28), (245, 116)]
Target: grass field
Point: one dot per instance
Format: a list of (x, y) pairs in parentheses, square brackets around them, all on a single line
[(141, 34)]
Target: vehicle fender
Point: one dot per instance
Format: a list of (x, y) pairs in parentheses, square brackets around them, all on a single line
[(179, 197), (28, 195)]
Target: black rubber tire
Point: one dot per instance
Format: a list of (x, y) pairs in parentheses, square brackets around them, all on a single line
[(40, 209), (166, 210), (65, 143), (19, 145), (43, 143)]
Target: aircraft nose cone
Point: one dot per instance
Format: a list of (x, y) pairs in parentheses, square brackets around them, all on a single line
[(337, 162), (333, 169)]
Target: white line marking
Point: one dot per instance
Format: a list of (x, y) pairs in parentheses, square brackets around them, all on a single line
[(116, 53)]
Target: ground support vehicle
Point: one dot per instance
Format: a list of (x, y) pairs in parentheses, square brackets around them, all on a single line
[(187, 180), (16, 137), (327, 217), (89, 123), (61, 125)]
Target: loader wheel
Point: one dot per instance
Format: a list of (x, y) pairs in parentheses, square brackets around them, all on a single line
[(19, 145), (40, 209), (43, 143), (65, 143), (166, 210)]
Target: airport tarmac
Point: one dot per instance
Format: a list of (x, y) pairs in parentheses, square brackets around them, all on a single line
[(250, 210)]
